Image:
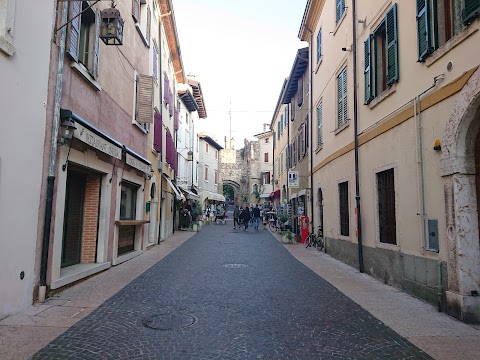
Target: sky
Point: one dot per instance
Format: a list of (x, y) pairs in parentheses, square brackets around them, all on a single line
[(241, 51)]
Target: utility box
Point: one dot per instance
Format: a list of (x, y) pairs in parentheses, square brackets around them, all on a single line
[(433, 235)]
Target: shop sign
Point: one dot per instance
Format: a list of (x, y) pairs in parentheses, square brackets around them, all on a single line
[(137, 164), (97, 142), (293, 179)]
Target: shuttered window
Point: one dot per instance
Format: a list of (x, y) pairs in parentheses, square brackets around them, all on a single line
[(300, 91), (84, 36), (423, 29), (319, 124), (386, 207), (155, 61), (278, 130), (144, 99), (340, 8), (319, 45), (157, 132), (342, 112), (471, 10), (392, 45), (367, 72), (343, 206), (149, 25), (136, 10), (265, 157), (292, 108)]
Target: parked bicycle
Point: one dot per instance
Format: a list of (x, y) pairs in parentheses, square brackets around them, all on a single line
[(316, 240)]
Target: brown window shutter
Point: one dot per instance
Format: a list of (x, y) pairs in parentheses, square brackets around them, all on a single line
[(136, 10), (74, 29), (98, 21), (149, 25), (145, 99)]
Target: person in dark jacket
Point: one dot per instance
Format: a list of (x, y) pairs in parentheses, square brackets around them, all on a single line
[(256, 216), (245, 217), (236, 214)]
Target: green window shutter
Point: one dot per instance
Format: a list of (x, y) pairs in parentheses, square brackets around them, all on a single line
[(392, 45), (344, 89), (368, 71), (340, 100), (471, 10), (281, 124), (278, 131), (74, 29), (423, 29)]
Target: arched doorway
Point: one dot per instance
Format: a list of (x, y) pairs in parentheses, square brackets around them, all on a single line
[(460, 165), (231, 190)]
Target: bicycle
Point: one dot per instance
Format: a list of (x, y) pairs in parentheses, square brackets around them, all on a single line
[(316, 240)]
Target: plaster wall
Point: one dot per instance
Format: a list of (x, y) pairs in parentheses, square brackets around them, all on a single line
[(23, 100)]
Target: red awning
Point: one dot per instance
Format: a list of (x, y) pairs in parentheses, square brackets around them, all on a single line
[(275, 195)]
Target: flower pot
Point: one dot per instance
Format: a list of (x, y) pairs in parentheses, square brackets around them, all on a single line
[(285, 239), (195, 227)]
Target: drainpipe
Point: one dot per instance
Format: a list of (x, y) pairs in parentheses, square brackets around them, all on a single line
[(47, 221), (312, 221), (355, 130), (160, 72)]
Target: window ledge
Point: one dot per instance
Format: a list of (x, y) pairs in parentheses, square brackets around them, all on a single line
[(317, 150), (344, 237), (340, 22), (85, 74), (6, 46), (142, 129), (386, 246), (344, 126), (142, 35), (385, 93), (449, 45), (318, 64)]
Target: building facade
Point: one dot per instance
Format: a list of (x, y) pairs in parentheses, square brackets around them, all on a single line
[(23, 99), (415, 196), (208, 171), (265, 162)]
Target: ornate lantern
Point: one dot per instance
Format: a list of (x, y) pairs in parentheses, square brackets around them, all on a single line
[(111, 28)]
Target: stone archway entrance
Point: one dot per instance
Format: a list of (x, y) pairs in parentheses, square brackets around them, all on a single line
[(459, 164), (232, 186)]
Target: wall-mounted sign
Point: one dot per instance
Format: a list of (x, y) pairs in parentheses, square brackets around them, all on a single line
[(293, 179), (137, 164), (92, 139)]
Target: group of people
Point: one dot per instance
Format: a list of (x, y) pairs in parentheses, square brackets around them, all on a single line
[(247, 215)]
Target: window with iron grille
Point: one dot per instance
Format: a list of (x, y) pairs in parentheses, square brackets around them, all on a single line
[(342, 118), (386, 207), (344, 213)]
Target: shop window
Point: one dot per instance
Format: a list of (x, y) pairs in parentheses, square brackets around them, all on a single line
[(344, 211), (386, 207), (128, 204)]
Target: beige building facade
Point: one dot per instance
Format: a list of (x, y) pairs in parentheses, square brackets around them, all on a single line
[(265, 164), (418, 93)]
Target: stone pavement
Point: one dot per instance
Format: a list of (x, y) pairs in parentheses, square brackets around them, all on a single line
[(25, 333), (246, 297)]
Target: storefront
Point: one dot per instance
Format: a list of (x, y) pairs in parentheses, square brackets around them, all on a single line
[(99, 185)]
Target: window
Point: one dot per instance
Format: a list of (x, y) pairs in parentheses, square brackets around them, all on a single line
[(206, 173), (143, 18), (267, 178), (281, 123), (340, 9), (386, 207), (292, 108), (265, 157), (216, 177), (342, 118), (278, 131), (286, 116), (128, 201), (319, 45), (83, 41), (319, 124), (381, 56), (294, 154), (216, 154), (300, 91), (206, 148), (344, 213), (267, 140), (7, 28), (439, 20), (155, 61), (300, 145)]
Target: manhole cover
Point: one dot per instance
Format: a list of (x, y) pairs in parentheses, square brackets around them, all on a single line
[(169, 321), (235, 266)]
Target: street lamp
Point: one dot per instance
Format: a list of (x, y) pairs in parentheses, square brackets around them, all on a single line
[(111, 28), (67, 128), (190, 155)]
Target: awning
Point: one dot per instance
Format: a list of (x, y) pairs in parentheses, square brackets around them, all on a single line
[(275, 195), (190, 195), (174, 188), (214, 196)]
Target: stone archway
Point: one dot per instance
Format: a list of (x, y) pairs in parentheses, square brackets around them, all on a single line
[(457, 167), (234, 185)]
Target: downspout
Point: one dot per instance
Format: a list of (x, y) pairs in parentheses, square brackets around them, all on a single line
[(288, 152), (161, 114), (47, 222), (355, 130), (312, 217)]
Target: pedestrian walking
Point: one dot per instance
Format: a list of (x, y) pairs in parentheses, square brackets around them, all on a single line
[(256, 216), (236, 214), (245, 217)]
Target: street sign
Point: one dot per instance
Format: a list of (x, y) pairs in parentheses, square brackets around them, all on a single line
[(293, 179)]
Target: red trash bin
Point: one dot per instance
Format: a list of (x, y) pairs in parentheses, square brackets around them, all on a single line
[(303, 228)]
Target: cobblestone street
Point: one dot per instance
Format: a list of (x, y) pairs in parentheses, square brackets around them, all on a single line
[(228, 294)]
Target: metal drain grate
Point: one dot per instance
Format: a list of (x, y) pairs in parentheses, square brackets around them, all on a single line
[(168, 321), (235, 266)]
